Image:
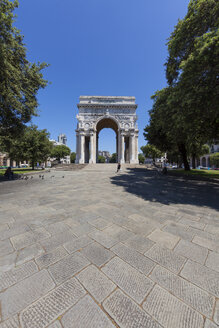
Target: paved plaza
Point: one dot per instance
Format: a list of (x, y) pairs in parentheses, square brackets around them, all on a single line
[(95, 249)]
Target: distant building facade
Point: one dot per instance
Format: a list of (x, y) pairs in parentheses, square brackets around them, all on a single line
[(62, 140), (105, 154), (205, 159), (5, 160)]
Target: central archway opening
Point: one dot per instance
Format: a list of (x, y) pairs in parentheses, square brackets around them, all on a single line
[(106, 129)]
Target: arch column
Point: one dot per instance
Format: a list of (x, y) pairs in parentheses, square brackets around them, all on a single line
[(132, 148), (77, 148), (91, 156), (81, 148), (122, 148)]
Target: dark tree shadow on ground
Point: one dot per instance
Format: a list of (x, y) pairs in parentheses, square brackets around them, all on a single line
[(165, 189)]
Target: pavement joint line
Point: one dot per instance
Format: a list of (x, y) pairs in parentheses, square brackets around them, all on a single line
[(99, 304)]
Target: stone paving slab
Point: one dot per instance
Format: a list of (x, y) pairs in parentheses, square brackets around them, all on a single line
[(212, 261), (126, 313), (56, 228), (192, 223), (6, 247), (210, 324), (56, 324), (86, 314), (164, 238), (191, 251), (102, 238), (98, 285), (49, 258), (13, 231), (135, 259), (83, 229), (139, 243), (108, 216), (28, 238), (17, 297), (78, 243), (203, 234), (166, 258), (171, 312), (216, 314), (68, 267), (118, 233), (214, 246), (128, 279), (59, 239), (29, 253), (17, 274), (97, 254), (41, 313), (7, 262), (184, 290), (179, 230), (202, 276), (212, 229), (101, 223), (13, 322)]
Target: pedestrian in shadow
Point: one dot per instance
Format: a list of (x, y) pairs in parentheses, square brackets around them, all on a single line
[(9, 174), (118, 167)]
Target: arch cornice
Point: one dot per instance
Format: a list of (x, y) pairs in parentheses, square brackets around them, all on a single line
[(104, 106)]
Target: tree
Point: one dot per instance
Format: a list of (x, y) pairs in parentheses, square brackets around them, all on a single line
[(193, 66), (73, 157), (214, 159), (101, 159), (113, 158), (60, 151), (19, 79), (141, 158), (34, 146), (151, 151), (185, 115)]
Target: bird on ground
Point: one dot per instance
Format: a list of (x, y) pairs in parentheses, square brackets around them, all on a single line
[(63, 176), (40, 176)]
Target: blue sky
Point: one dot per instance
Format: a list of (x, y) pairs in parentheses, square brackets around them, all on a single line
[(97, 47)]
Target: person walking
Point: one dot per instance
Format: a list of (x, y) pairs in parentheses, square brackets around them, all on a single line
[(118, 167)]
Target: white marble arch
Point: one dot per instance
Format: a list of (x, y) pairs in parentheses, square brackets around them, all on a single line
[(98, 112)]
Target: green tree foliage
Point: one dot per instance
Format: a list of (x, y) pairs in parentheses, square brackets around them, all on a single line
[(193, 65), (214, 159), (113, 158), (151, 151), (185, 115), (60, 151), (73, 157), (34, 146), (20, 80), (141, 158), (101, 159)]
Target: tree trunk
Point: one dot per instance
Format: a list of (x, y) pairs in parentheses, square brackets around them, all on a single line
[(183, 152), (193, 161), (32, 165)]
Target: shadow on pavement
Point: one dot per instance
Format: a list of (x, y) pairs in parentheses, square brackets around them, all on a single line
[(167, 190)]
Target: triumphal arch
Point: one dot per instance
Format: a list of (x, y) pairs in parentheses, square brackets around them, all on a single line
[(97, 113)]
